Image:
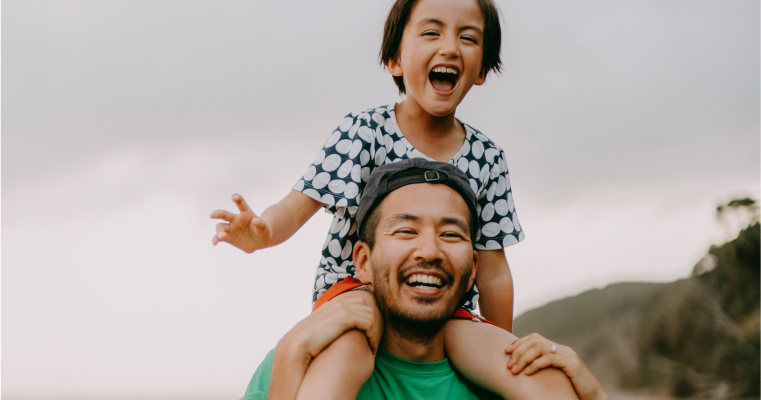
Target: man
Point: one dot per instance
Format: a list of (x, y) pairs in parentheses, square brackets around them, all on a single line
[(416, 220)]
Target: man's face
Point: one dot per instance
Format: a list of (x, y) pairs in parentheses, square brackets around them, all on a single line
[(423, 260)]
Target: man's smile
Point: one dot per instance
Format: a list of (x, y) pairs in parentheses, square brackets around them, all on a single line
[(428, 282)]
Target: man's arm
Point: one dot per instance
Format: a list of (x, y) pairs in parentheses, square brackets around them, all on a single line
[(495, 285)]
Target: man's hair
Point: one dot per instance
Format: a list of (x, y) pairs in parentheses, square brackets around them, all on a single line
[(399, 16), (370, 226), (367, 233)]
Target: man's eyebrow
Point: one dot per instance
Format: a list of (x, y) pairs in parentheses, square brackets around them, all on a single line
[(401, 217), (439, 22)]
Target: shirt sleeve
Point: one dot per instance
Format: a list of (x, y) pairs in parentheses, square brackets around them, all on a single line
[(499, 225), (342, 166), (259, 387)]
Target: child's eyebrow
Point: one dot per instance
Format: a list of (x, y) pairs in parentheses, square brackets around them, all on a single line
[(440, 23)]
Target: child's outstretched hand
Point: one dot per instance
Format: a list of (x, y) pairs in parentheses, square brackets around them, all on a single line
[(245, 231)]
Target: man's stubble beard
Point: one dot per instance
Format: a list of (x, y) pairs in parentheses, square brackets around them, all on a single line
[(421, 328)]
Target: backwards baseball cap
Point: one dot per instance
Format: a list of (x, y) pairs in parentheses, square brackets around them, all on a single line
[(387, 178)]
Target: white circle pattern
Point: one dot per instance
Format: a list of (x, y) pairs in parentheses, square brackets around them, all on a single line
[(345, 169), (367, 139)]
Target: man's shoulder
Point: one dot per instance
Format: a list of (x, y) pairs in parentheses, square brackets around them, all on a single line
[(259, 386), (393, 377)]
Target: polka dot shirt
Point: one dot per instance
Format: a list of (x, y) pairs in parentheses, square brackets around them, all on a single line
[(364, 140)]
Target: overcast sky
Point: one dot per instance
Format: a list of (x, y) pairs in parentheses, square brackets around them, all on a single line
[(125, 123)]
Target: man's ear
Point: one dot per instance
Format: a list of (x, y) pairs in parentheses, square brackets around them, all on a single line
[(473, 271), (361, 255), (394, 67)]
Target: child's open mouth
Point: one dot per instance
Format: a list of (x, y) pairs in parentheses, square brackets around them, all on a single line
[(443, 79)]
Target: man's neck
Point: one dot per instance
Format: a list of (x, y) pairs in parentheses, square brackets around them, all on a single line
[(411, 348)]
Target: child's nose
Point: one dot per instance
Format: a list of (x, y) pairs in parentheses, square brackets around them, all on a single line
[(450, 47)]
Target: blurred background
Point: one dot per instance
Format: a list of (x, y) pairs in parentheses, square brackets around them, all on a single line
[(125, 123)]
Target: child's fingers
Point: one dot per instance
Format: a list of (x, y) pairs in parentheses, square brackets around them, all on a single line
[(222, 214), (259, 224), (222, 227), (242, 206)]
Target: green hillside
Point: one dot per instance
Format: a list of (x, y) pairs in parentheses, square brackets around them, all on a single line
[(695, 337)]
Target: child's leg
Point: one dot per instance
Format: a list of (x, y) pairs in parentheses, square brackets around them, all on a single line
[(343, 367), (477, 351)]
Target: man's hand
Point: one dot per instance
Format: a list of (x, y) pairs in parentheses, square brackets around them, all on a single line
[(245, 231), (330, 321), (311, 336), (533, 352)]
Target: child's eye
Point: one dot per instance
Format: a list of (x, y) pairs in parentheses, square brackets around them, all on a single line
[(470, 39)]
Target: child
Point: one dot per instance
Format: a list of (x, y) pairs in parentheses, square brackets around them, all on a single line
[(436, 51)]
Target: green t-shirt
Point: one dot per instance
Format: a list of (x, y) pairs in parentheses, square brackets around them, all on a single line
[(393, 378)]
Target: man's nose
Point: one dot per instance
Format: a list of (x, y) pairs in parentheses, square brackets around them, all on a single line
[(428, 247)]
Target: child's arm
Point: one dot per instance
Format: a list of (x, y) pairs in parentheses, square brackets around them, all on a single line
[(277, 223), (495, 285)]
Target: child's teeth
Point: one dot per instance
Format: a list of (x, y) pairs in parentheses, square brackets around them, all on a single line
[(445, 70)]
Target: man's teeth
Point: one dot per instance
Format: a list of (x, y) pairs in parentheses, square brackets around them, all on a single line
[(445, 70), (427, 280)]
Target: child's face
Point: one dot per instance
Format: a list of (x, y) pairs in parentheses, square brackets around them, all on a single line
[(441, 37)]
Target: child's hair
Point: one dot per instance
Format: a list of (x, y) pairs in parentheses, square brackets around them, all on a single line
[(400, 14)]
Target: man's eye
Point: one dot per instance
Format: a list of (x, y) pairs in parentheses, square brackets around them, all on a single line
[(452, 235), (430, 33)]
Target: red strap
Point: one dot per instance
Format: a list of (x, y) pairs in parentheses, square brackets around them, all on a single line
[(462, 313), (344, 286)]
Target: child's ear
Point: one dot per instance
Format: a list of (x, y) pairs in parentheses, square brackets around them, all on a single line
[(481, 79), (361, 256), (394, 67)]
